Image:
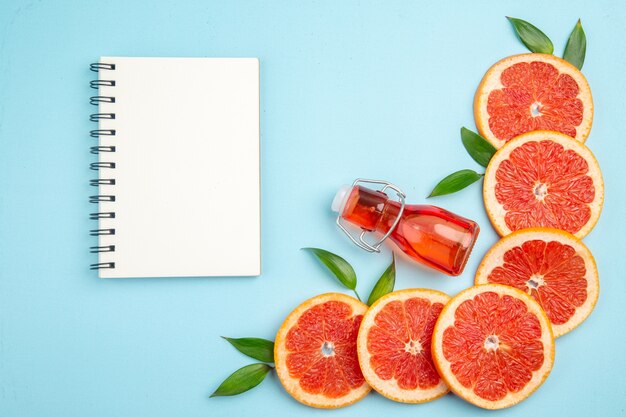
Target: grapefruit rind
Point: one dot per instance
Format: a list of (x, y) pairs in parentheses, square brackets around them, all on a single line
[(290, 384), (491, 81), (390, 388), (447, 318), (495, 210), (494, 258)]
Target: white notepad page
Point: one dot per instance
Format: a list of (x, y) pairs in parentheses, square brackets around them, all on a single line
[(187, 183)]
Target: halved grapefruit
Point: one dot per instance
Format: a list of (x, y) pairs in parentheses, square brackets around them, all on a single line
[(527, 92), (394, 345), (315, 352), (493, 345), (543, 179), (550, 265)]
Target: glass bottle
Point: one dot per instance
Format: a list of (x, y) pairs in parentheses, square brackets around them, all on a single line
[(427, 234)]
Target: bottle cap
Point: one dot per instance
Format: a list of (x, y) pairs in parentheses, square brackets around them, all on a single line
[(339, 202)]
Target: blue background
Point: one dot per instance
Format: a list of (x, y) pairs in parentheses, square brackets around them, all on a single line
[(349, 89)]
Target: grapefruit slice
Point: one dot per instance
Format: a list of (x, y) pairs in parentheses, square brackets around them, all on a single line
[(493, 345), (543, 179), (527, 92), (315, 352), (394, 345), (550, 265)]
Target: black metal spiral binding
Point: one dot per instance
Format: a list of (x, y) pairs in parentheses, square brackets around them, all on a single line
[(97, 133), (101, 232), (100, 149), (101, 99), (100, 249), (101, 116), (102, 215), (97, 66), (97, 182), (103, 265), (101, 198), (105, 83), (96, 166)]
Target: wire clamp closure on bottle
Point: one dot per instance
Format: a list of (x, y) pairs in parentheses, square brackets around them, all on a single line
[(361, 242)]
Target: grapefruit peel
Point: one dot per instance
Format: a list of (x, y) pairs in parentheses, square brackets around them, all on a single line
[(316, 344), (469, 351), (543, 179), (550, 265), (398, 365)]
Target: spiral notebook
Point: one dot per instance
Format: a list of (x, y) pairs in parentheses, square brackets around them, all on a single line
[(178, 167)]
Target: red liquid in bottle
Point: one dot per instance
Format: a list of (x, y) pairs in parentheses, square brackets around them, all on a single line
[(430, 235)]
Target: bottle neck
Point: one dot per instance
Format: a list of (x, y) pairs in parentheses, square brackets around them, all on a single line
[(370, 209)]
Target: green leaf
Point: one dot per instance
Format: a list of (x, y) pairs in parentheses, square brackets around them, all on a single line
[(455, 182), (534, 39), (242, 380), (337, 265), (260, 349), (385, 283), (576, 47), (479, 149)]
